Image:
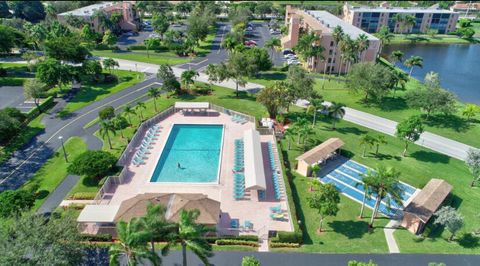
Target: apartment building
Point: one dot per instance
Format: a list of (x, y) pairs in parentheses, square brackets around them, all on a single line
[(322, 23), (371, 19), (130, 20), (466, 10)]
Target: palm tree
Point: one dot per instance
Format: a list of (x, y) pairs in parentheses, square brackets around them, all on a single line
[(337, 35), (155, 224), (299, 126), (385, 37), (412, 62), (362, 44), (384, 184), (315, 103), (129, 111), (190, 235), (229, 43), (336, 111), (366, 140), (397, 56), (105, 128), (401, 79), (410, 22), (400, 19), (139, 107), (367, 193), (378, 141), (470, 111), (344, 45), (290, 132), (187, 77), (272, 45), (133, 245), (308, 48), (154, 93)]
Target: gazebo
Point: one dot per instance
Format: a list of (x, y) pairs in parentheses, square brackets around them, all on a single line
[(318, 155), (419, 211), (254, 170)]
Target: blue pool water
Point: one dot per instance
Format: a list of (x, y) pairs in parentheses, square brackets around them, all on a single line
[(348, 180), (196, 148)]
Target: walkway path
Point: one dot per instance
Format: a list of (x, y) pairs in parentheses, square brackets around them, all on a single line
[(59, 194), (389, 230)]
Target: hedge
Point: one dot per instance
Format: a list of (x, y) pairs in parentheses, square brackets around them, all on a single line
[(43, 106), (288, 237), (136, 47), (251, 238), (235, 242), (82, 196), (284, 245), (99, 237)]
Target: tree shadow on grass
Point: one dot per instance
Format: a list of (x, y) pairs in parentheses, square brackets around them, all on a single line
[(350, 229), (242, 95), (428, 156), (387, 157), (351, 130), (91, 181), (448, 121)]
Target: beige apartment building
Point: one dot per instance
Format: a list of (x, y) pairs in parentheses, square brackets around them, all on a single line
[(130, 20), (371, 19), (322, 23)]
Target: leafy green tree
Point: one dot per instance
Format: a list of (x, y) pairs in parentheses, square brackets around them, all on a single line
[(13, 202), (93, 164), (161, 23), (190, 235), (239, 15), (301, 84), (263, 8), (30, 57), (336, 111), (432, 100), (154, 93), (129, 111), (31, 239), (250, 261), (109, 38), (4, 10), (34, 89), (450, 218), (260, 57), (151, 44), (409, 130), (470, 111), (66, 49), (383, 183), (110, 64), (14, 113), (88, 34), (133, 245), (413, 61), (473, 163), (273, 44), (32, 11), (385, 37), (367, 191), (106, 113), (139, 107), (373, 80), (91, 70), (360, 263), (272, 97), (432, 80), (120, 123), (9, 127), (7, 39), (170, 82), (366, 141), (199, 23), (187, 77), (325, 200)]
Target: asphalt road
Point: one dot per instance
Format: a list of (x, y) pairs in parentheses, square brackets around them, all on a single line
[(11, 96)]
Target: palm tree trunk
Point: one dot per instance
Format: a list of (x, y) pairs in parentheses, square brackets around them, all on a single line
[(109, 141), (334, 56), (290, 145), (321, 224), (377, 204), (340, 68), (405, 150), (184, 254), (324, 74), (364, 150), (236, 88), (410, 73), (155, 104), (314, 117), (376, 151), (129, 120), (152, 244)]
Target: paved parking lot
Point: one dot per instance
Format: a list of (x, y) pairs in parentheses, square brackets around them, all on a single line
[(261, 34), (12, 96)]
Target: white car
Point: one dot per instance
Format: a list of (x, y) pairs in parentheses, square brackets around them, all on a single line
[(290, 56)]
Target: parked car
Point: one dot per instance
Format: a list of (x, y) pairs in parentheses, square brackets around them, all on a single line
[(250, 43), (249, 29)]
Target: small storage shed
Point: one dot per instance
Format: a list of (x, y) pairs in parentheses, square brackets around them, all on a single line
[(419, 211), (318, 155)]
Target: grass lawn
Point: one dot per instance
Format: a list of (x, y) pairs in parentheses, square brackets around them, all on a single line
[(392, 107), (55, 170), (476, 27), (424, 38), (32, 129), (17, 74), (95, 92), (153, 59)]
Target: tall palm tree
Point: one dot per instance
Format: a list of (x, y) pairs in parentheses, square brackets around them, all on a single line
[(400, 19), (336, 111), (154, 93), (385, 37), (344, 45), (337, 35), (365, 141), (129, 111), (378, 141), (299, 125), (362, 44), (155, 224), (315, 103), (272, 45), (107, 127), (397, 56), (229, 43), (412, 62), (139, 107), (384, 184), (308, 48), (410, 22), (367, 192), (133, 245), (401, 79), (289, 133), (187, 77), (190, 235)]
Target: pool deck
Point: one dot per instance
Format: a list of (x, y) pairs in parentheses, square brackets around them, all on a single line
[(249, 208)]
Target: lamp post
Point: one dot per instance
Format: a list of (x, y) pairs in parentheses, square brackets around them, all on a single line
[(63, 148)]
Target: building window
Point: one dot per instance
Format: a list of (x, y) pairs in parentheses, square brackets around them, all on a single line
[(328, 69), (331, 43), (329, 60), (330, 52)]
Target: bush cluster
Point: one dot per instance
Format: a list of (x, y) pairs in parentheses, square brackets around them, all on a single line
[(284, 245), (235, 242), (251, 238), (288, 237)]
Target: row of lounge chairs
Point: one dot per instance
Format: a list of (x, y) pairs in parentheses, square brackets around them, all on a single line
[(239, 119), (235, 224), (275, 176), (238, 167), (147, 143)]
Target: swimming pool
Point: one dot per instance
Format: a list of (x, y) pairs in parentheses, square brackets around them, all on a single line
[(191, 154)]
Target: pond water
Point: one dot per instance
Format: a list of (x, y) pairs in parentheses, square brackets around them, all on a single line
[(458, 66)]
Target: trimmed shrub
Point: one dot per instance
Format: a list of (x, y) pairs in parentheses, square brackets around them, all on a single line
[(93, 164), (284, 245), (47, 103), (99, 237), (251, 238), (290, 237), (235, 242), (15, 201), (82, 196), (136, 47)]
